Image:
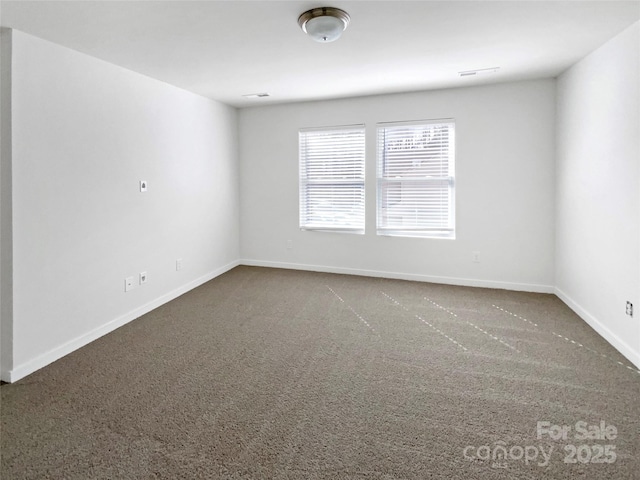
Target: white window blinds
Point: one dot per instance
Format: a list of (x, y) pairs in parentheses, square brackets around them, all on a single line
[(415, 179), (332, 179)]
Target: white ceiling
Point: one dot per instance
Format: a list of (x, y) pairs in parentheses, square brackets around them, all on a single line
[(224, 49)]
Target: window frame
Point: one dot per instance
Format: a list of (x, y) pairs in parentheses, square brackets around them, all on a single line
[(333, 183), (446, 229)]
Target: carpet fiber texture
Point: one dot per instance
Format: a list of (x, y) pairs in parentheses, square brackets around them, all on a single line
[(276, 374)]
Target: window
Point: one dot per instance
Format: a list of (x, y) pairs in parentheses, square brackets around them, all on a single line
[(332, 179), (416, 179)]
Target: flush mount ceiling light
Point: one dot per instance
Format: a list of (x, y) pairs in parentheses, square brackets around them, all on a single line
[(324, 24)]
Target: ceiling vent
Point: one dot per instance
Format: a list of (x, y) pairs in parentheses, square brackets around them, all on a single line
[(481, 71)]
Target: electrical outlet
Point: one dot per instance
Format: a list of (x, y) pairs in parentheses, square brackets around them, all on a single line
[(178, 264), (128, 284), (143, 278), (289, 244), (629, 310), (476, 257)]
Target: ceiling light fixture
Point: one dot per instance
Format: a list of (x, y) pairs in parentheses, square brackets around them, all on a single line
[(324, 24)]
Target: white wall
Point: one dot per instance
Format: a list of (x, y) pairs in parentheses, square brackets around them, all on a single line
[(6, 248), (598, 179), (504, 188), (84, 133)]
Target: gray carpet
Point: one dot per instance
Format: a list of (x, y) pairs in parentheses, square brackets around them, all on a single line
[(275, 374)]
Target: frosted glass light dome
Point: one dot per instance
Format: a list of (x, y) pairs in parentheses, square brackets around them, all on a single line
[(324, 24)]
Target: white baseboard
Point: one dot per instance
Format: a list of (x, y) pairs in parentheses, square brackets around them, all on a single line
[(51, 356), (54, 354), (601, 328), (466, 282)]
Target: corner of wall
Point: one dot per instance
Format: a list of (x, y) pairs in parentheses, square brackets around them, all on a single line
[(598, 269), (6, 229), (130, 127)]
